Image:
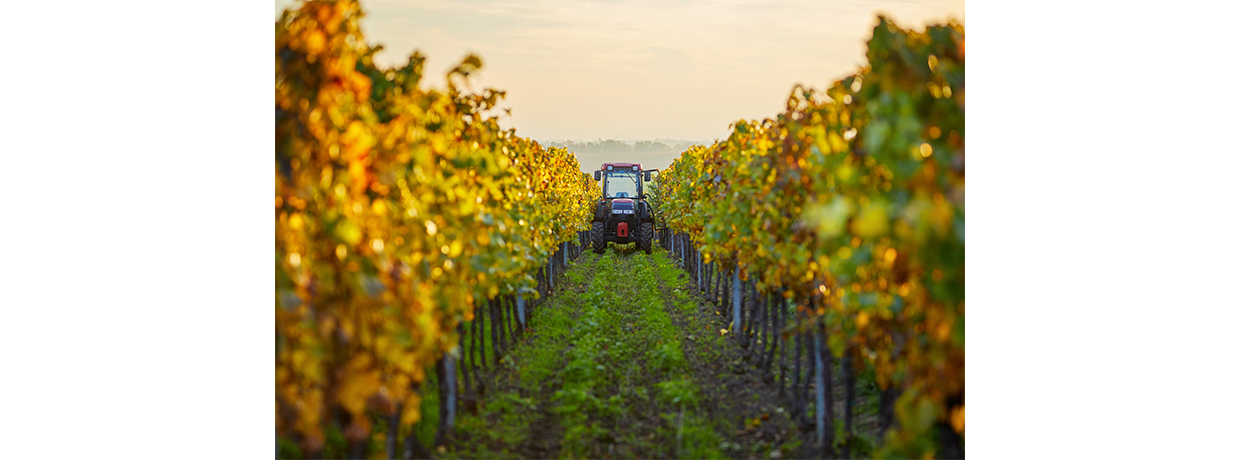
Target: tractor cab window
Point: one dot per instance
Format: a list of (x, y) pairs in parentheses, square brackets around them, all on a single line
[(621, 184)]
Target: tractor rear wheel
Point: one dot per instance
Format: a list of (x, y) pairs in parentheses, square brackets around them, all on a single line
[(596, 238), (647, 241)]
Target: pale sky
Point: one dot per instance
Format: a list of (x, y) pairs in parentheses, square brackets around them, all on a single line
[(685, 69)]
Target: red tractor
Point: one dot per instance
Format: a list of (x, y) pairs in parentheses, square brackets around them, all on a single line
[(622, 215)]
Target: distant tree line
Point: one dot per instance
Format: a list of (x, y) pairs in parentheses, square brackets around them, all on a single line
[(615, 146)]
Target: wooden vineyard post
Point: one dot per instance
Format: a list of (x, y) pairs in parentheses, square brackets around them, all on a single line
[(521, 309), (820, 400), (736, 301)]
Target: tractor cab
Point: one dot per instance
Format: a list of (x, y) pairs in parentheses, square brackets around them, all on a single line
[(622, 215), (622, 180)]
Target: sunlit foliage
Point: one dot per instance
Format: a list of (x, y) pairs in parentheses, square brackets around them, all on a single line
[(851, 202), (397, 209)]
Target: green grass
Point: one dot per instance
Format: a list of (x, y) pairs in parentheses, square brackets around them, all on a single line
[(610, 364)]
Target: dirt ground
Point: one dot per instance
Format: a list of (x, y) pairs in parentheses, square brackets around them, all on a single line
[(627, 360)]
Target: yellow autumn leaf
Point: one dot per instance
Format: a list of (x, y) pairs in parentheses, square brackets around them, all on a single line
[(357, 387), (958, 420), (411, 414), (872, 220), (349, 232)]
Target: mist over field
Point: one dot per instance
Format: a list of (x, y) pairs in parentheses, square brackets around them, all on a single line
[(649, 160), (652, 154)]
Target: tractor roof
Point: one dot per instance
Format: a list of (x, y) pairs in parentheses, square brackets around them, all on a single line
[(621, 166)]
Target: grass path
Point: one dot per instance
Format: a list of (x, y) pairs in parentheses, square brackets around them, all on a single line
[(625, 361)]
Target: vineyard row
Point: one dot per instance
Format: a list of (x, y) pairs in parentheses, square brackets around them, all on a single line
[(403, 214), (845, 214)]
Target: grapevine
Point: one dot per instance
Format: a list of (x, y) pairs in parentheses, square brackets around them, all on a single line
[(850, 203), (398, 209)]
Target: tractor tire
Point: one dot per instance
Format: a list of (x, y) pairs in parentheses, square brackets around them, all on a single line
[(596, 238), (647, 241)]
